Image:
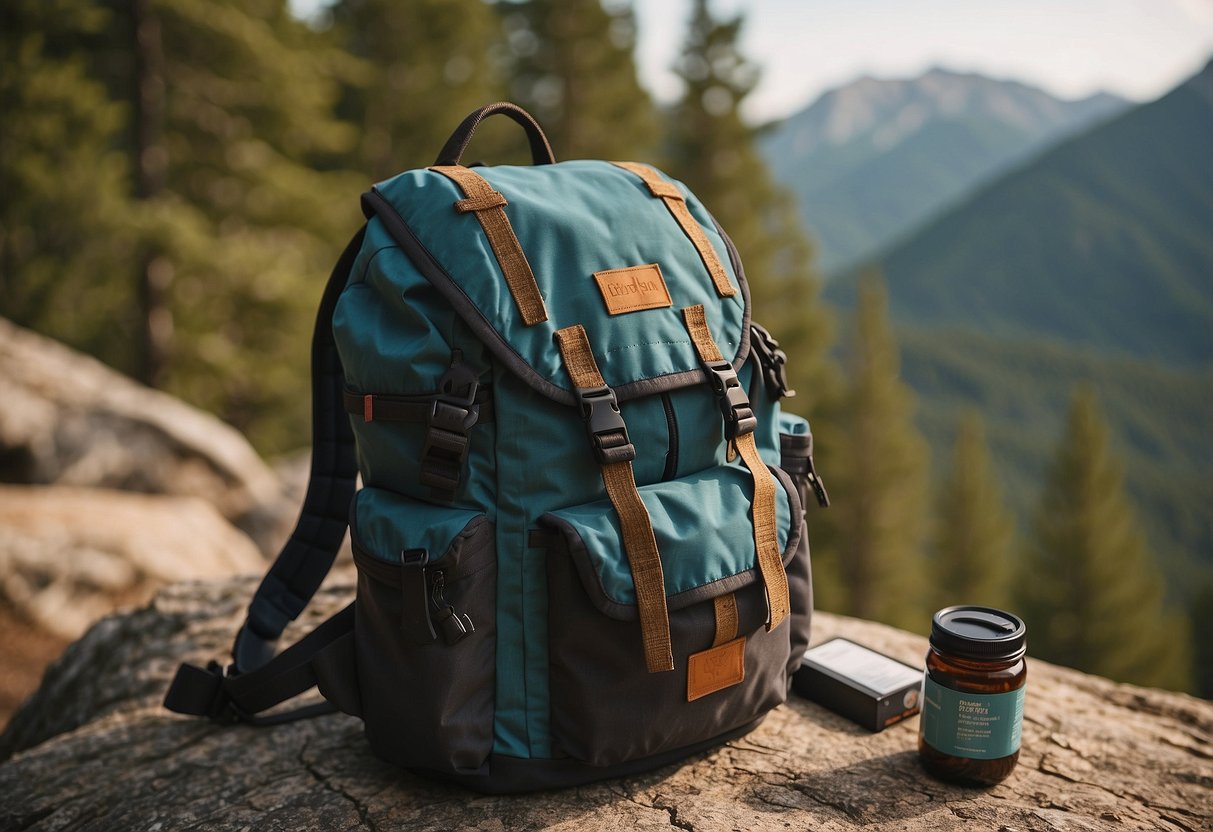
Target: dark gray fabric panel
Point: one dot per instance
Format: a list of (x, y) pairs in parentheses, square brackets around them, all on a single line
[(431, 705), (799, 568), (607, 710), (512, 775)]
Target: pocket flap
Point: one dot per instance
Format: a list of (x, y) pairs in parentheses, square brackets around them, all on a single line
[(704, 533), (384, 525)]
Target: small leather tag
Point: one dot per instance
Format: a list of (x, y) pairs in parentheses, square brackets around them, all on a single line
[(715, 669), (633, 289)]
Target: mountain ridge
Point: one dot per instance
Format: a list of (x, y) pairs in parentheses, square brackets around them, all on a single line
[(1101, 240), (870, 160)]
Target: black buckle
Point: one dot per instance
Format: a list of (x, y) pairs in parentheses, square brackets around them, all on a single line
[(452, 414), (604, 424), (739, 418), (773, 361), (222, 709)]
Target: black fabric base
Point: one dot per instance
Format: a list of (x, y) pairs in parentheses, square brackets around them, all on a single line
[(515, 775)]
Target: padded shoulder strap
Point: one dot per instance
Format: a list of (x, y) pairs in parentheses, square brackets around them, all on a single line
[(309, 553)]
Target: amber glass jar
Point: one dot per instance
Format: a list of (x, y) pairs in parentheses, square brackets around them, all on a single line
[(973, 693)]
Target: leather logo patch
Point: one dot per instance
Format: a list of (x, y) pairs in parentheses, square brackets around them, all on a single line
[(715, 669), (633, 289)]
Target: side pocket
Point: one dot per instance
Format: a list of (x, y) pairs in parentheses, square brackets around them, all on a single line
[(796, 460), (426, 631)]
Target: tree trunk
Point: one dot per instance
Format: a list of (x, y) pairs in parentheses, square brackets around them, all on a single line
[(150, 164)]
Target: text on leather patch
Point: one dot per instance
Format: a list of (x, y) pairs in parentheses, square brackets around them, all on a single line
[(633, 288), (715, 669)]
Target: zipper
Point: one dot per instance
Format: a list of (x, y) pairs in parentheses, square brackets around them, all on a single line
[(671, 424)]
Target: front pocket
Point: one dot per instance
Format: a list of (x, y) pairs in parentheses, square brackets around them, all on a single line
[(605, 707), (426, 630)]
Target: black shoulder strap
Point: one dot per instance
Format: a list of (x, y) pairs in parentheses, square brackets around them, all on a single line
[(323, 659), (257, 679), (309, 553)]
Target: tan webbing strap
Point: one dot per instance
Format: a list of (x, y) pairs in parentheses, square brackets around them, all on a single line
[(725, 607), (677, 205), (638, 541), (489, 207), (766, 542)]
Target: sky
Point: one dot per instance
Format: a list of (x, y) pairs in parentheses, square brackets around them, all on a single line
[(1136, 48)]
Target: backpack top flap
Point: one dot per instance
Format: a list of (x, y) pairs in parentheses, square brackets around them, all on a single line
[(605, 253)]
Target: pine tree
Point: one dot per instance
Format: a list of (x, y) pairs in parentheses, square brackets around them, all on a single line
[(871, 564), (971, 561), (1202, 638), (1090, 591), (223, 112), (65, 213), (714, 151), (571, 64), (427, 64)]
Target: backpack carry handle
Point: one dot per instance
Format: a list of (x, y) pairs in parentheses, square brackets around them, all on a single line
[(541, 151)]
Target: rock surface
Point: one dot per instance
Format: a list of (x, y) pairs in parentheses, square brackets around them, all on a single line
[(71, 555), (66, 418), (93, 751)]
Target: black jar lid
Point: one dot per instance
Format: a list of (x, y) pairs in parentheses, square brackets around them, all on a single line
[(979, 633)]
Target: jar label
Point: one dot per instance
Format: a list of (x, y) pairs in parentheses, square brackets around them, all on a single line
[(980, 726)]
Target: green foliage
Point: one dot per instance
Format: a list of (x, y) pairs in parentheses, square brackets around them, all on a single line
[(875, 530), (66, 220), (570, 64), (1089, 589), (221, 206), (1158, 416), (715, 152), (1202, 638), (971, 559), (428, 63)]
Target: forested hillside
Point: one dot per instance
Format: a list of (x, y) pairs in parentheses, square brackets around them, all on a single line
[(1159, 419)]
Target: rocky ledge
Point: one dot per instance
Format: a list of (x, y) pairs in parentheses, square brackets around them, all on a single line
[(92, 750)]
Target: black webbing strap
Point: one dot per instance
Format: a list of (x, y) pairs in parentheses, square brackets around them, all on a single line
[(323, 659), (309, 553)]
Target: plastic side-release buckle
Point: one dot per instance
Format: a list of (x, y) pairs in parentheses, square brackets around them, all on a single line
[(200, 691), (739, 418), (773, 361), (452, 415), (604, 424)]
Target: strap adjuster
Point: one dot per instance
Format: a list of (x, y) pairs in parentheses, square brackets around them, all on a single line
[(773, 361), (739, 418), (452, 414), (604, 424)]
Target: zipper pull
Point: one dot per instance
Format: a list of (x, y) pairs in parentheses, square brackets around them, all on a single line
[(416, 613), (454, 626)]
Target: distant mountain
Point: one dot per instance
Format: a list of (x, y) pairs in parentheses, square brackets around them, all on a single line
[(1105, 240), (871, 160)]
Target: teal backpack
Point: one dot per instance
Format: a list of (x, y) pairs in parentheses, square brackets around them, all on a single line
[(580, 536)]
